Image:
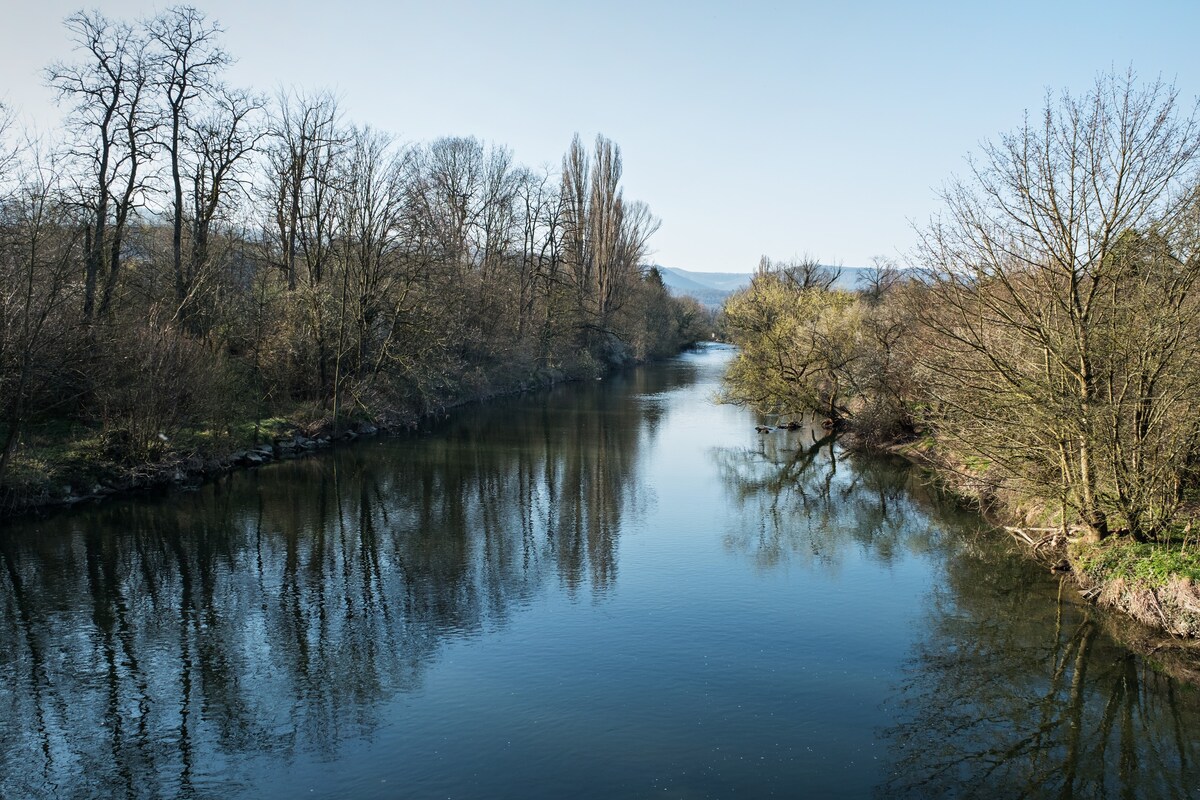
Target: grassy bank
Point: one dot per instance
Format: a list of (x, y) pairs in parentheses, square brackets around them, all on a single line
[(1157, 583), (63, 463)]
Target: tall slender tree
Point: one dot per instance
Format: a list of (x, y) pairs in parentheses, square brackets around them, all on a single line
[(187, 59), (113, 124)]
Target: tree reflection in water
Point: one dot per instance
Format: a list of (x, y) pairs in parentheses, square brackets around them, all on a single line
[(154, 643), (1014, 689), (1006, 697), (292, 617), (811, 505)]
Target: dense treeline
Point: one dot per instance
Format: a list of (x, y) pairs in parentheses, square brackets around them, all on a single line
[(1047, 349), (185, 255)]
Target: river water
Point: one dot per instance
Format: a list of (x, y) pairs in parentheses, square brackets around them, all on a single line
[(612, 589)]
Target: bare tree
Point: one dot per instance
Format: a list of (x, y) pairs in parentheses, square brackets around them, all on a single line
[(187, 60), (377, 287), (497, 228), (604, 237), (305, 154), (803, 273), (113, 124), (605, 218), (39, 249), (577, 244), (396, 278), (305, 138), (10, 151), (447, 198), (222, 141), (881, 279), (538, 202), (1029, 286)]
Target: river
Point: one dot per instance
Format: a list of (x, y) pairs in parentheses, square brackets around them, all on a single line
[(612, 589)]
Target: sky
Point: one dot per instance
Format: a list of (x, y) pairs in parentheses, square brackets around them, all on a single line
[(804, 128)]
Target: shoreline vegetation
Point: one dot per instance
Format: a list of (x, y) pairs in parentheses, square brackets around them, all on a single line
[(77, 471), (1041, 355), (1150, 583), (195, 276)]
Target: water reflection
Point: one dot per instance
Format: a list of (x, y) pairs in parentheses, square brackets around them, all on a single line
[(272, 612), (1013, 688), (813, 502), (1008, 697)]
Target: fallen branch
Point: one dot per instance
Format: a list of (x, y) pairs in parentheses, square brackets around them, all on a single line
[(1019, 533), (1049, 539)]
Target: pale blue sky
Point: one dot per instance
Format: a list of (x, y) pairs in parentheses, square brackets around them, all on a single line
[(749, 128)]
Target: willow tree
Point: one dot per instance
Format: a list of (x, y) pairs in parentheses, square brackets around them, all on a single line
[(801, 345), (1043, 337)]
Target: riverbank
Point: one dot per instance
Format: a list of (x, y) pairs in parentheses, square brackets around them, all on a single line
[(1156, 584), (60, 465), (1153, 582), (56, 471)]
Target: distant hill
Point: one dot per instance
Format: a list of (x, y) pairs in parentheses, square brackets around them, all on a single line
[(712, 288)]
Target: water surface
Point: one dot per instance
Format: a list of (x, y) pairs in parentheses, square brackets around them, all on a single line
[(613, 589)]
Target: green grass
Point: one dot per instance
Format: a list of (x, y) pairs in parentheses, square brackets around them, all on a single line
[(1148, 563), (977, 464), (207, 438), (57, 455)]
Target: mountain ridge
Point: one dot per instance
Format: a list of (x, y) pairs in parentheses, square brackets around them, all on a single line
[(713, 288)]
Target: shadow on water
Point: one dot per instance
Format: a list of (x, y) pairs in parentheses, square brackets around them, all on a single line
[(813, 501), (1013, 689)]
